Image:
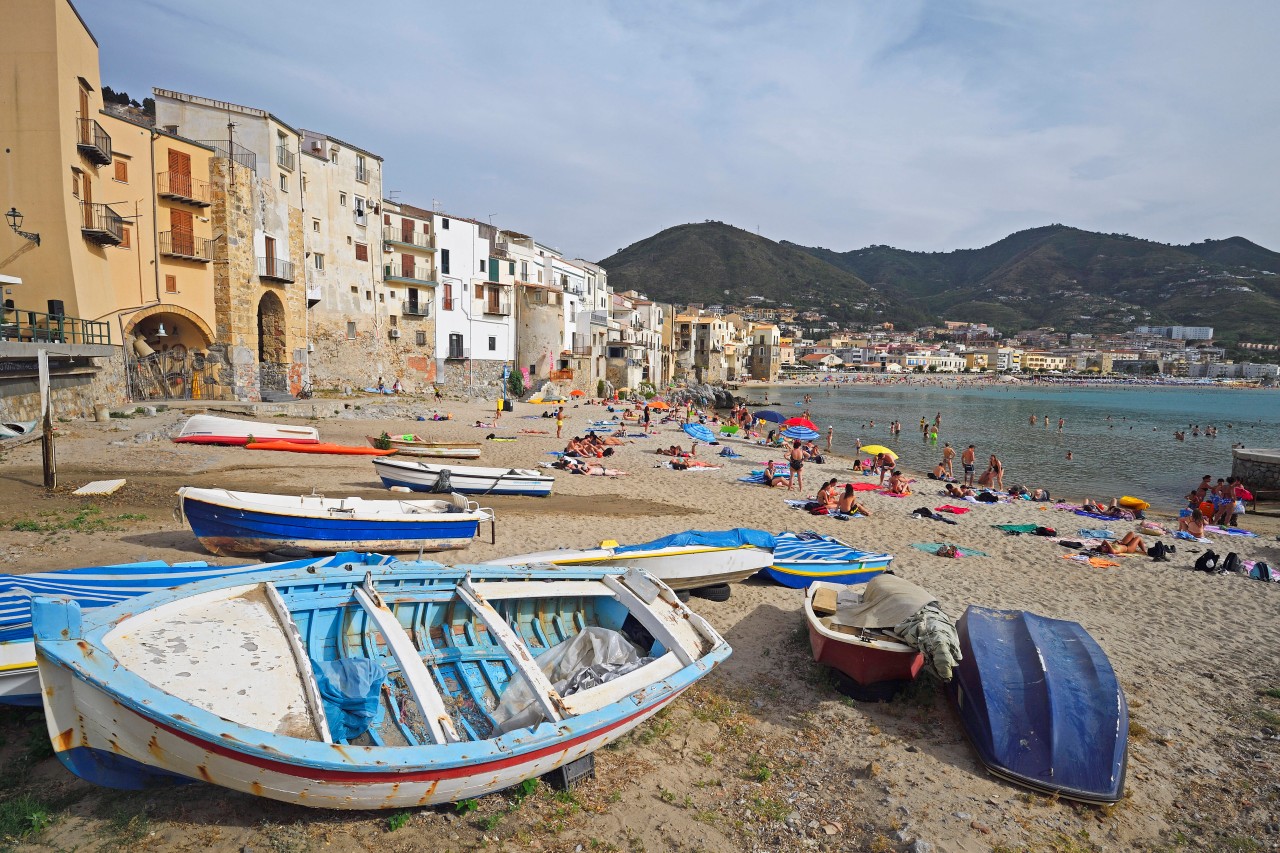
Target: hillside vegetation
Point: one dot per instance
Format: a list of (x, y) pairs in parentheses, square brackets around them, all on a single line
[(1056, 276)]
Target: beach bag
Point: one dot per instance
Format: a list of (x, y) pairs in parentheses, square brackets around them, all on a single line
[(948, 551), (1207, 562), (1158, 553), (1231, 565), (1261, 571)]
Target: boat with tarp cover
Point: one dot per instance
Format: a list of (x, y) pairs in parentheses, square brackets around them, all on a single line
[(799, 559), (362, 687), (688, 560)]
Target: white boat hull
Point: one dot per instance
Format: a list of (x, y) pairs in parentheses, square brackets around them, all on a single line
[(678, 567), (209, 429), (467, 479)]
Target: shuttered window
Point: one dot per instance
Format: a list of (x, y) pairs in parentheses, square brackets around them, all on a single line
[(170, 284), (362, 252), (122, 171)]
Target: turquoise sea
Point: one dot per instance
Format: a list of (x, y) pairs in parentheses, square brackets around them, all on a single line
[(1121, 438)]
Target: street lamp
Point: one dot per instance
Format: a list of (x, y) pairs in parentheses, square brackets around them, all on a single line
[(14, 218)]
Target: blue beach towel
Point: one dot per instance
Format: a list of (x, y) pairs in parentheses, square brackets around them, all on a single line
[(1099, 533)]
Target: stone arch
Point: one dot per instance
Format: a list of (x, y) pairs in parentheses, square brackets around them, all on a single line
[(272, 341), (196, 321)]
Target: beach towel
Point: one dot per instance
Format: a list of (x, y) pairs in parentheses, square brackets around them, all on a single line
[(1015, 528), (865, 487), (889, 494), (925, 512), (1230, 531), (755, 477), (728, 453), (1182, 534), (1096, 533), (1078, 544), (958, 510), (697, 468), (1096, 562), (932, 548), (1098, 516)]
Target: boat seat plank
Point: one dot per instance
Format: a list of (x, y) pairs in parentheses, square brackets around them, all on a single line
[(302, 660), (415, 672), (551, 703), (659, 628)]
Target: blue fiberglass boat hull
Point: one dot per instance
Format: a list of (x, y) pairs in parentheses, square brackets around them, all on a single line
[(800, 559), (1041, 704)]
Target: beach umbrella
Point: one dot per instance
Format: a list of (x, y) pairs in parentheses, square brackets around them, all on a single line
[(770, 415), (802, 433), (877, 449), (659, 404), (577, 393), (699, 432), (801, 422)]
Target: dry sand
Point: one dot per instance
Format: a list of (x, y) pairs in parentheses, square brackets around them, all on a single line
[(765, 754)]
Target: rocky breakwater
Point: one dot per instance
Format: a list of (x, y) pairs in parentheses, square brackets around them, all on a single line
[(1259, 469)]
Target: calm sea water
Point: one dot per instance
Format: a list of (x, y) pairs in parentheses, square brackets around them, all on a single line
[(1121, 439)]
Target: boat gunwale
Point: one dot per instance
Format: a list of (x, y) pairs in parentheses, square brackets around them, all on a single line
[(479, 514), (884, 645)]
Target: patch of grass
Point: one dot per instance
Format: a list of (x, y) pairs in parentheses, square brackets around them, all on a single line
[(525, 789), (1271, 718), (768, 808), (398, 821), (1273, 692), (489, 823), (658, 727), (758, 769), (22, 817), (1137, 731), (122, 415), (466, 806), (88, 519)]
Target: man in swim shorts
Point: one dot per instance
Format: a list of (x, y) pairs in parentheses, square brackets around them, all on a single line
[(948, 455), (966, 459)]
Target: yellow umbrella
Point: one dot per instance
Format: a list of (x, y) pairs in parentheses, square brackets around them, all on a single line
[(876, 449)]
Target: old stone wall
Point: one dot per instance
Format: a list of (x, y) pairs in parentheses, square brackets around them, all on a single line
[(481, 374), (342, 362), (1259, 469), (76, 385)]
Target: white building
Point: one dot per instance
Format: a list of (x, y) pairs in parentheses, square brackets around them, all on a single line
[(472, 345)]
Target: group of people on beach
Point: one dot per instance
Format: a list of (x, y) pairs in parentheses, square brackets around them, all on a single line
[(1220, 503)]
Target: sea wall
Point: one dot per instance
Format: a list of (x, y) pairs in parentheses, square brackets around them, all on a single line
[(1259, 469)]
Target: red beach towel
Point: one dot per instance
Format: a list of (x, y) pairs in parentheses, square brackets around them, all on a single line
[(958, 510)]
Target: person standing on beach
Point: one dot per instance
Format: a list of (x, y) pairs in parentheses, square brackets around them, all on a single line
[(646, 418), (948, 455), (831, 432), (966, 459), (559, 420), (996, 471), (795, 462)]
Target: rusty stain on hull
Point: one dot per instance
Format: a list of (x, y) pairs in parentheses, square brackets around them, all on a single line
[(204, 773), (63, 741)]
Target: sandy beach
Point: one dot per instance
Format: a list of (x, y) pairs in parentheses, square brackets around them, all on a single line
[(763, 755)]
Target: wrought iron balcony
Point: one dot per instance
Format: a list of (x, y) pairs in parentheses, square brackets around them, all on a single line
[(274, 269), (183, 188), (411, 273), (459, 352), (415, 309), (447, 303), (93, 142), (232, 151), (285, 158), (38, 327), (416, 239), (101, 225), (499, 307), (187, 246)]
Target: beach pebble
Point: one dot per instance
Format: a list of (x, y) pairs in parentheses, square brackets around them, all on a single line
[(920, 846), (964, 816)]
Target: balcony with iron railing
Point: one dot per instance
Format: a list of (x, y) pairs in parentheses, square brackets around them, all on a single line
[(447, 303), (410, 308), (408, 274), (38, 327), (497, 307), (93, 142), (414, 239), (187, 246), (274, 269), (285, 158), (458, 352), (101, 224), (232, 151), (183, 188)]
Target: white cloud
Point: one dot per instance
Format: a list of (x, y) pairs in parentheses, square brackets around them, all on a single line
[(923, 125)]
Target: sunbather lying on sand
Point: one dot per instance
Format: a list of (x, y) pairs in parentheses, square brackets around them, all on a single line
[(1130, 543), (574, 466), (959, 491), (1114, 510), (686, 464)]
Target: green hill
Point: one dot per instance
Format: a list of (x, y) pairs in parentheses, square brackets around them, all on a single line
[(1056, 276)]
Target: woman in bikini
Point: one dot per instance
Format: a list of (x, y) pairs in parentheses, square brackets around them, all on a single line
[(848, 503), (1193, 524), (1130, 543), (996, 471), (771, 476)]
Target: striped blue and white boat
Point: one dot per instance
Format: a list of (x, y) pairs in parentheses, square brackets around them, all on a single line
[(90, 587), (231, 523), (353, 687), (799, 559)]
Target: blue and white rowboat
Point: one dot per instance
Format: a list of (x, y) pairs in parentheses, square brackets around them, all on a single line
[(357, 688), (467, 479), (92, 587), (799, 559), (228, 522)]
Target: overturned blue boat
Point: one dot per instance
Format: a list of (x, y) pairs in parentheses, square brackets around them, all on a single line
[(1041, 704)]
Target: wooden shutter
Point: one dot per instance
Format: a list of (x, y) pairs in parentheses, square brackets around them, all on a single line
[(406, 266), (122, 171), (362, 252), (170, 284), (180, 173), (386, 219), (125, 242), (88, 201), (182, 232)]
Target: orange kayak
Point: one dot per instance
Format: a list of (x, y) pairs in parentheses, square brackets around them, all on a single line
[(338, 449)]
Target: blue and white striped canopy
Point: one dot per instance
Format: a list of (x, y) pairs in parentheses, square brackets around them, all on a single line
[(813, 548), (803, 433)]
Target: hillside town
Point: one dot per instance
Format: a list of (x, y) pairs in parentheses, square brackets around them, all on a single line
[(220, 251)]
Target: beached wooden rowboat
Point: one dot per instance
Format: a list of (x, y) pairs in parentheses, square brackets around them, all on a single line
[(210, 429), (467, 479), (688, 560), (229, 522), (867, 655), (412, 445), (354, 688)]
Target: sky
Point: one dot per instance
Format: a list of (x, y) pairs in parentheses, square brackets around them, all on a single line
[(594, 124)]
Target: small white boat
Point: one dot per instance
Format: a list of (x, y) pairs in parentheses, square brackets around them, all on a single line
[(354, 687), (413, 445), (210, 429), (467, 479), (229, 522), (688, 560)]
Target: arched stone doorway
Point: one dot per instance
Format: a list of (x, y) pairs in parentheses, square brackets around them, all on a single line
[(273, 361), (165, 355)]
